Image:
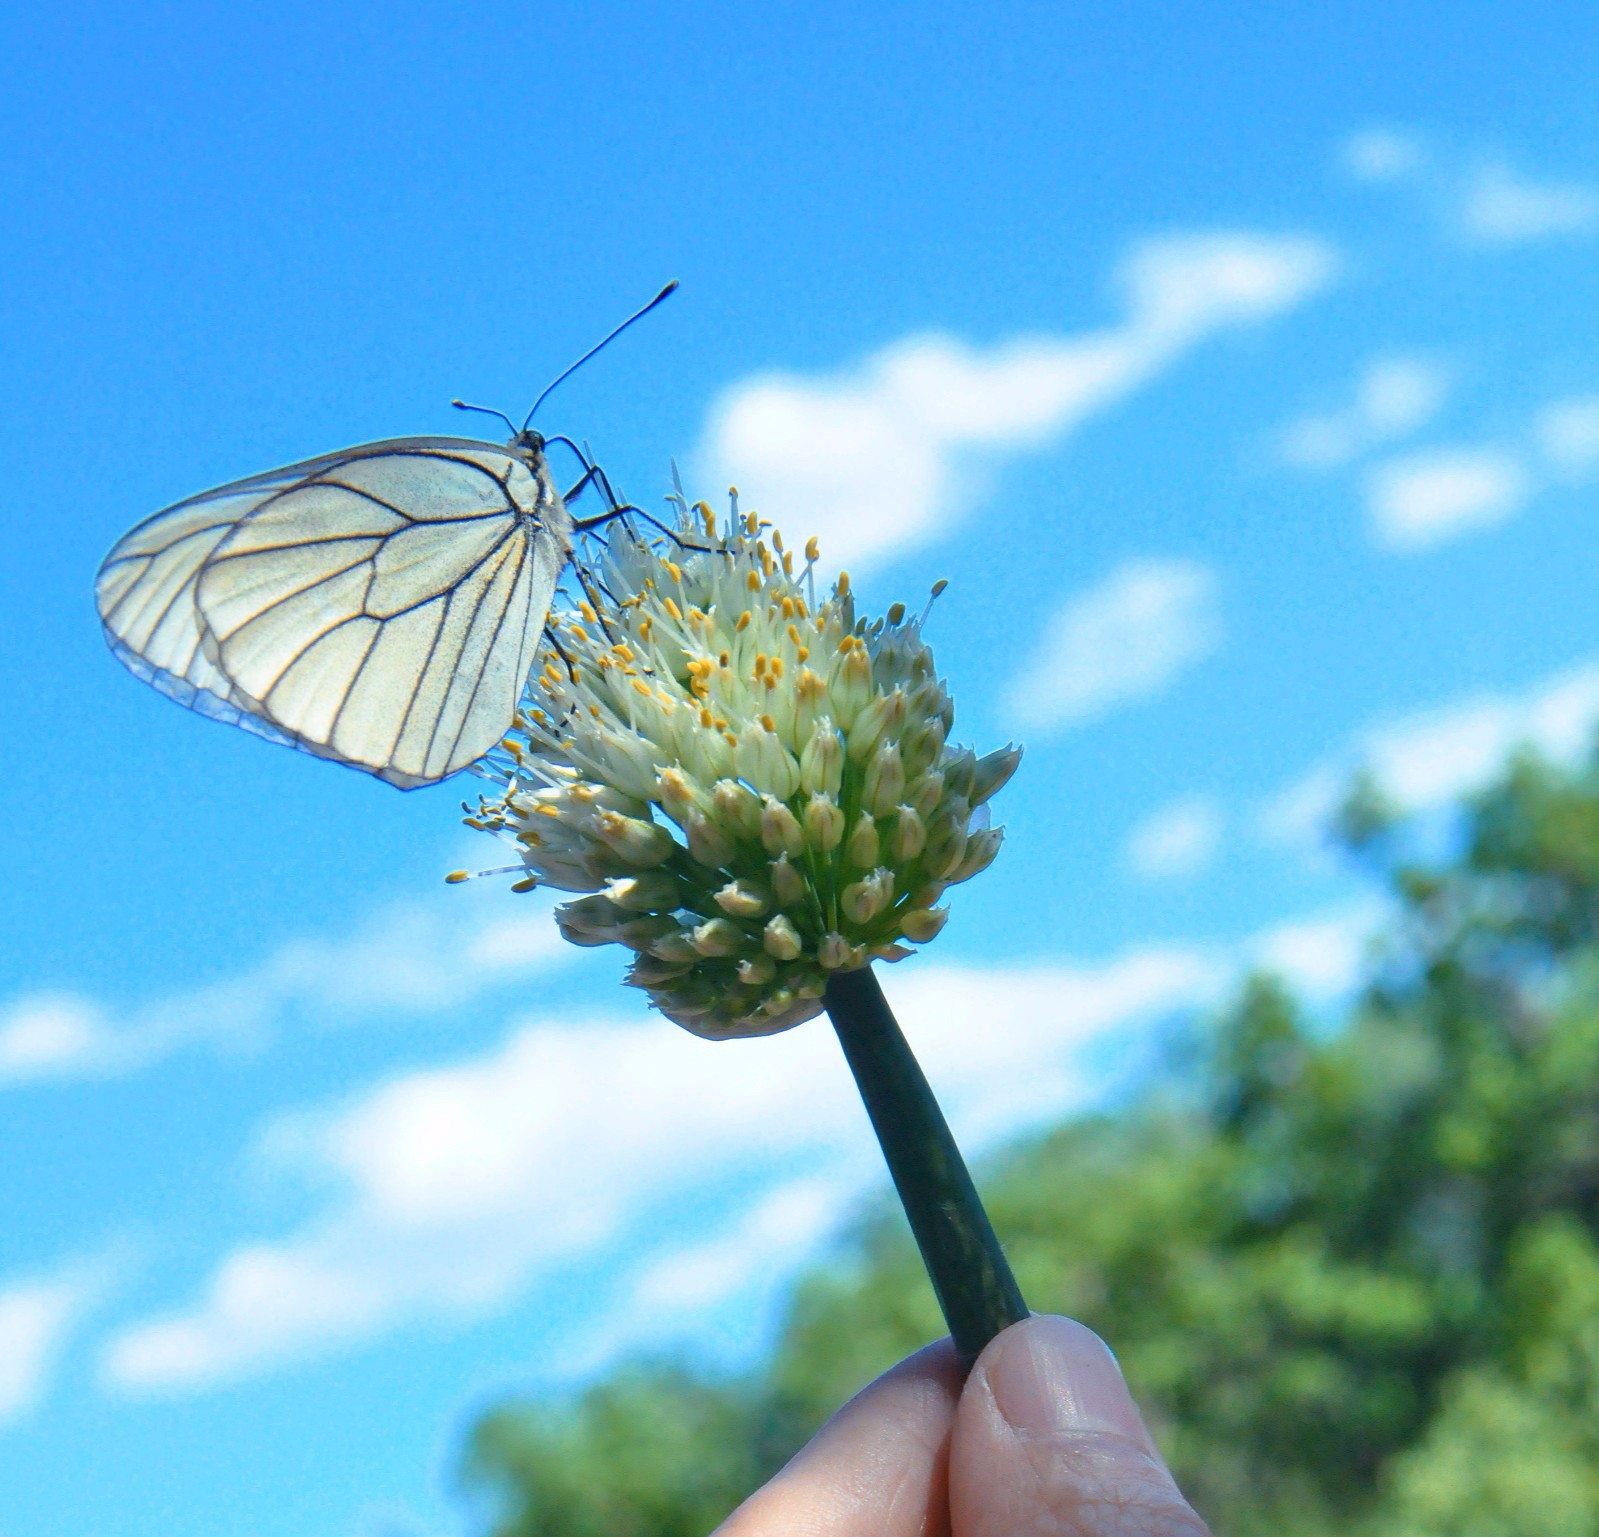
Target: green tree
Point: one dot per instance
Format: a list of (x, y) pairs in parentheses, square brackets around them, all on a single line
[(1352, 1274)]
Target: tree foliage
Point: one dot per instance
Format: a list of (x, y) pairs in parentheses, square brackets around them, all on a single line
[(1352, 1274)]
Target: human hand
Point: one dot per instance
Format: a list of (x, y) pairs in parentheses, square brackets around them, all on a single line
[(1042, 1440)]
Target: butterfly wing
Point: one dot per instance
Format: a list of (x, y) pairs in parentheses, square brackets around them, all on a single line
[(379, 606)]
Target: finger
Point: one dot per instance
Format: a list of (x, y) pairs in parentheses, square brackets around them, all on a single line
[(878, 1468), (1049, 1442)]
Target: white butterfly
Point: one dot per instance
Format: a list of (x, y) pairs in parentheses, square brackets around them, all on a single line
[(380, 606)]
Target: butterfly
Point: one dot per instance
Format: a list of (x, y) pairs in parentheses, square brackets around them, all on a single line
[(379, 606)]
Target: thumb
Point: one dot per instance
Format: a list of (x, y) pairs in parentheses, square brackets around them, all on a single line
[(1048, 1442)]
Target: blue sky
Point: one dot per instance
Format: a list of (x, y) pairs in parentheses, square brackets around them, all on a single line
[(1239, 365)]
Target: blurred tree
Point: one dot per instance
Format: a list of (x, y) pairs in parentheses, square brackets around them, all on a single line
[(1353, 1275)]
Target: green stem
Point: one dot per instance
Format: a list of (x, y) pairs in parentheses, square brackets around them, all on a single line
[(970, 1277)]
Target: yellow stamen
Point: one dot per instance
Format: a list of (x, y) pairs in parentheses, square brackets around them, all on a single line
[(802, 653), (896, 612), (675, 569), (587, 611), (769, 723), (753, 581), (455, 877), (743, 620), (641, 687), (672, 609), (843, 584)]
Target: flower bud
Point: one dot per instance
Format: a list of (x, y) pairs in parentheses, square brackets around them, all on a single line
[(655, 891), (884, 784), (861, 901), (921, 924), (960, 773), (589, 921), (642, 932), (946, 840), (676, 948), (908, 837), (638, 844), (648, 971), (718, 936), (822, 762), (679, 794), (626, 760), (993, 771), (925, 794), (743, 899), (824, 823), (835, 953), (780, 830), (849, 683), (764, 762), (707, 842), (737, 807), (755, 971), (780, 939), (810, 706), (788, 885), (882, 717), (863, 850), (921, 744), (981, 848)]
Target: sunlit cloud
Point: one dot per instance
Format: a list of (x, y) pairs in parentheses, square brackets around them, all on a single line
[(1395, 396), (1427, 760), (461, 1186), (409, 960), (1381, 154), (1567, 433), (1178, 840), (1501, 207), (1124, 639), (892, 452), (38, 1315), (1422, 499)]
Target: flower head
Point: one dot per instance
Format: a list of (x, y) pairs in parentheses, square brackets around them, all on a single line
[(753, 787)]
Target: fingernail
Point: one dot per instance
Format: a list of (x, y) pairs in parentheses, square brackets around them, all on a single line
[(1052, 1374)]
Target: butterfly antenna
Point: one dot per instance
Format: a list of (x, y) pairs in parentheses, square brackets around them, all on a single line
[(664, 294), (461, 405)]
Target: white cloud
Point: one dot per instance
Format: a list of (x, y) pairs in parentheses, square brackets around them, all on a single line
[(1382, 154), (1427, 760), (889, 454), (1180, 839), (1567, 432), (1123, 639), (1394, 397), (1503, 208), (37, 1316), (413, 959), (1422, 499), (1320, 957), (459, 1186), (50, 1035)]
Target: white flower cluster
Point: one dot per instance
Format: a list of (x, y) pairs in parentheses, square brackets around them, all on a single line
[(755, 788)]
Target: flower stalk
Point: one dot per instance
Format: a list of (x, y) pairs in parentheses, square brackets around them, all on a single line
[(971, 1277), (751, 789)]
